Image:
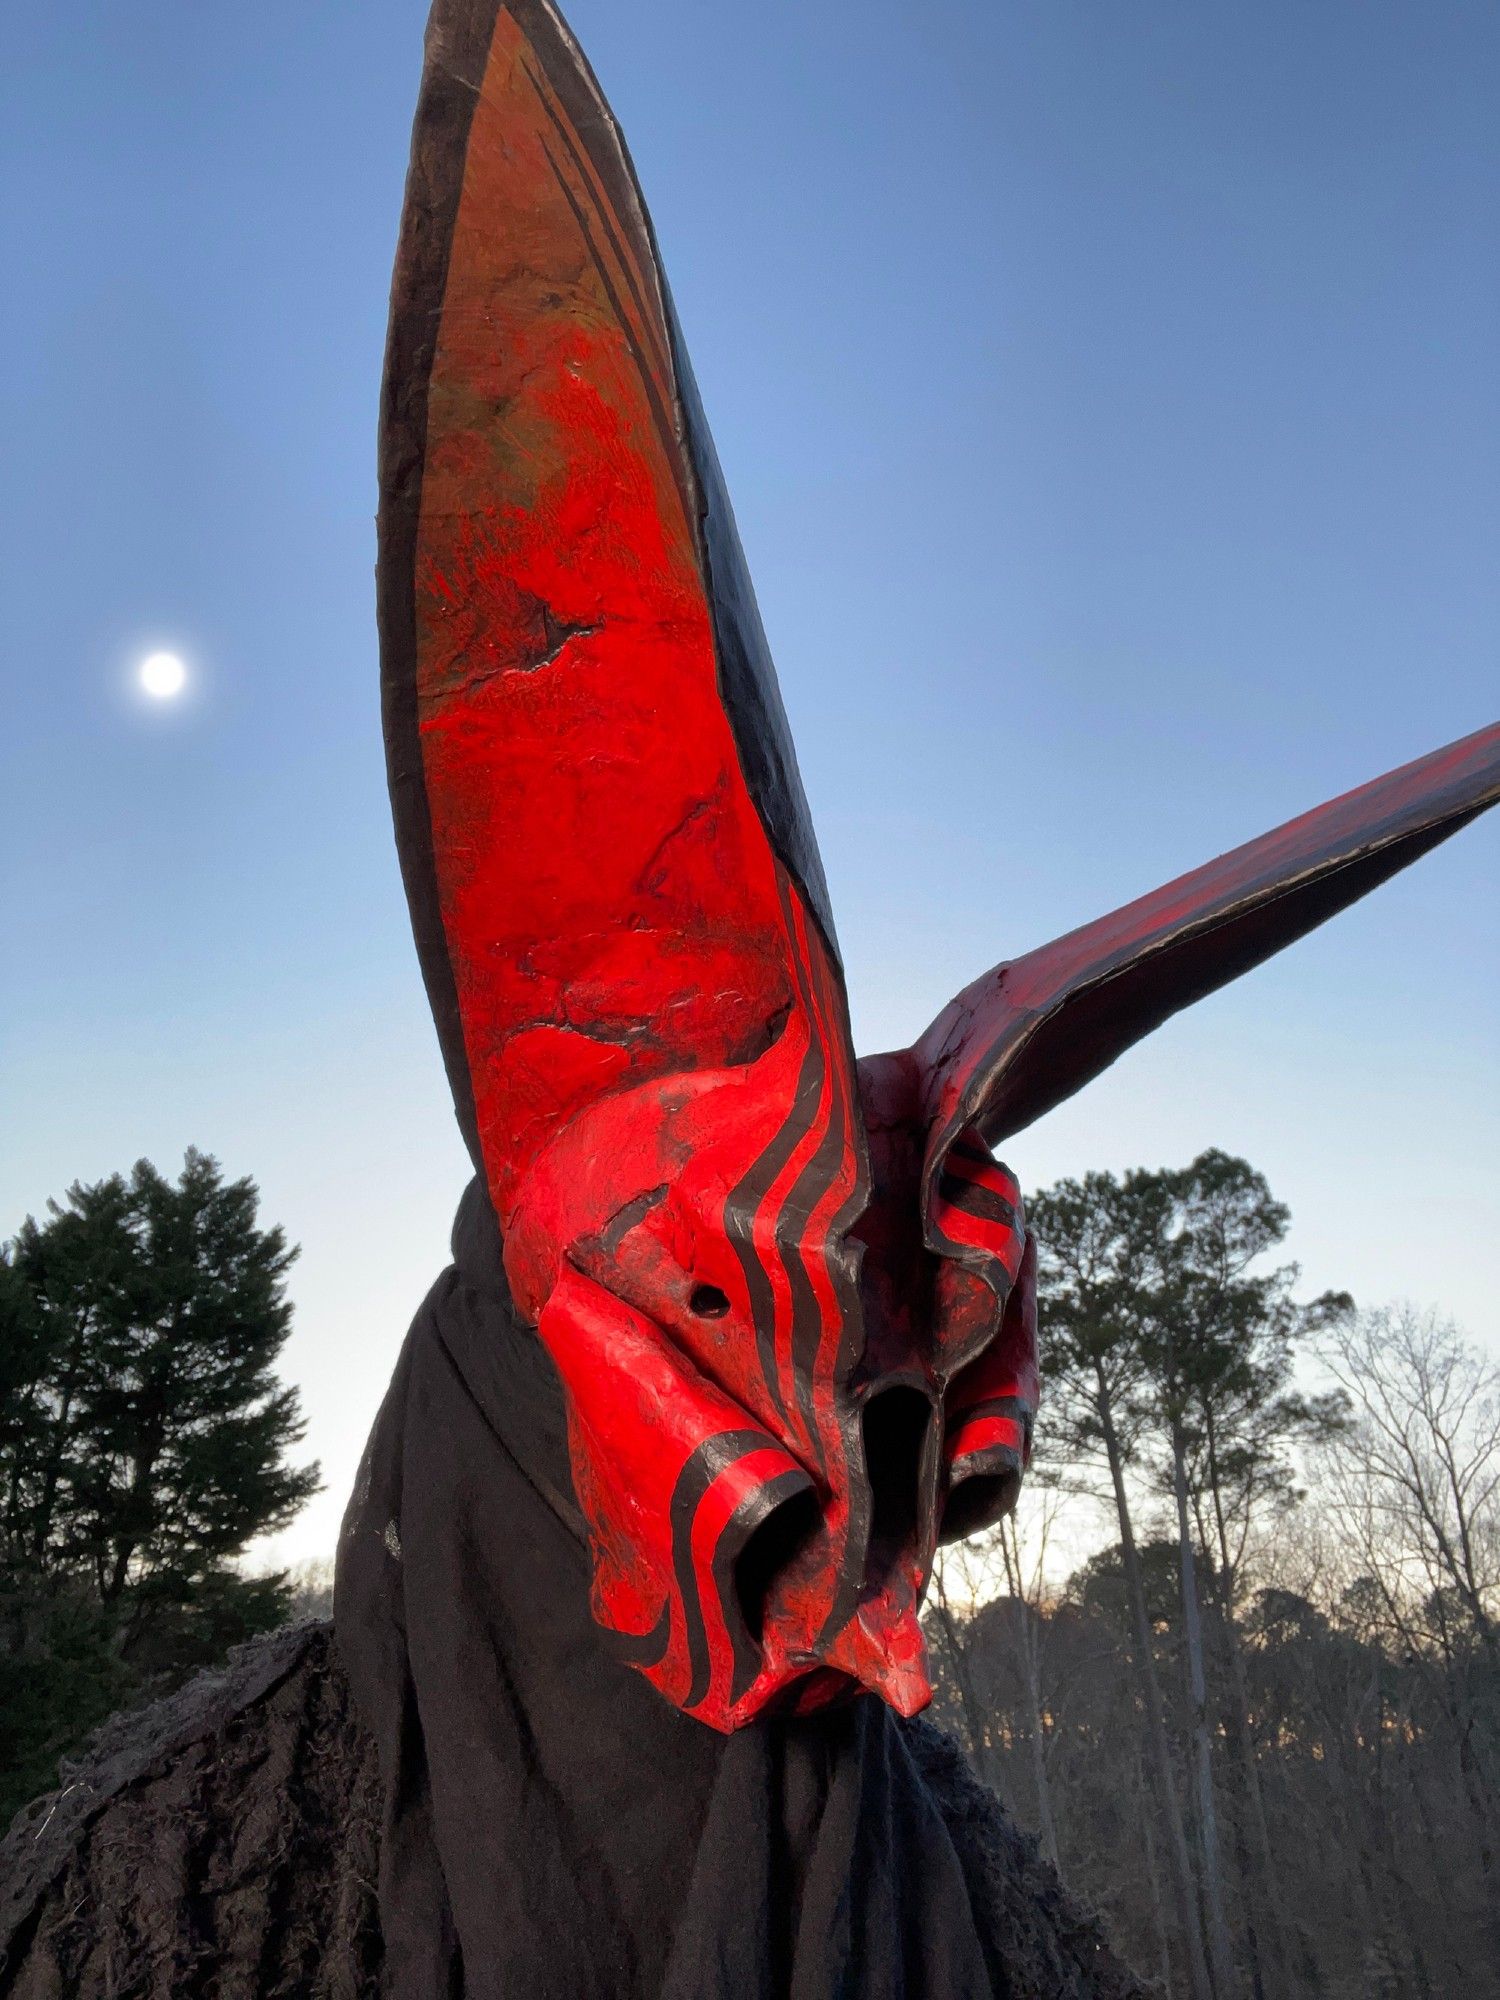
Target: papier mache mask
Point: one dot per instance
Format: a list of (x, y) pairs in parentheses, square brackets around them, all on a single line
[(789, 1294)]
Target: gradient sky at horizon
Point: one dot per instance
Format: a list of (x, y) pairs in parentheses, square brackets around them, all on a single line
[(1109, 397)]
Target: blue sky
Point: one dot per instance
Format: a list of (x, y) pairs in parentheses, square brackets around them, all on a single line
[(1109, 396)]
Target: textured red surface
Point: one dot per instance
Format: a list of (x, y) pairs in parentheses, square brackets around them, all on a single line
[(608, 892), (655, 1031), (791, 1299), (1030, 1032)]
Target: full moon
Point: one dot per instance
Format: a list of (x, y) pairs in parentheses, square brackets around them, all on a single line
[(163, 676)]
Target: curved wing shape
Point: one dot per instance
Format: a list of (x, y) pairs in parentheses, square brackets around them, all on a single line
[(597, 806), (1031, 1032)]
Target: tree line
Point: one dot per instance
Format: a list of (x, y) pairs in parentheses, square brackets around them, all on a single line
[(1261, 1727), (144, 1442)]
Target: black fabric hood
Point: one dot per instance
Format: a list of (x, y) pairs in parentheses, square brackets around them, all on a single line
[(552, 1826)]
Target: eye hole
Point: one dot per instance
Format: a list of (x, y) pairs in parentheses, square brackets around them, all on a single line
[(708, 1302)]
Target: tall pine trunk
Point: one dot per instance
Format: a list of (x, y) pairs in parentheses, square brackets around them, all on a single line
[(1257, 1857), (1178, 1860), (1263, 1891), (1221, 1954), (1153, 1875), (1031, 1660)]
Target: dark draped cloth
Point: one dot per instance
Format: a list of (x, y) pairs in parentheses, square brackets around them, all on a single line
[(553, 1827), (459, 1791)]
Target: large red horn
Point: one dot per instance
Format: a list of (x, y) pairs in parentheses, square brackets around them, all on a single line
[(616, 894), (597, 803), (1034, 1030)]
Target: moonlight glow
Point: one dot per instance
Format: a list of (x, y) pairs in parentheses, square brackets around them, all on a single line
[(163, 676)]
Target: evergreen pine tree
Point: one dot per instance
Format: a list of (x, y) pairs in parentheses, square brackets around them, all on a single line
[(144, 1441)]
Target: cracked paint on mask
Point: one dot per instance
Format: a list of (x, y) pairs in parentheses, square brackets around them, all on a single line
[(791, 1298), (655, 1033)]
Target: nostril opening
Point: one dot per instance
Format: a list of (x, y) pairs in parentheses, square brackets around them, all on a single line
[(708, 1302), (895, 1427), (778, 1538), (978, 1502)]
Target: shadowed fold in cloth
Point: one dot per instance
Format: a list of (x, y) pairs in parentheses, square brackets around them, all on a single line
[(553, 1827)]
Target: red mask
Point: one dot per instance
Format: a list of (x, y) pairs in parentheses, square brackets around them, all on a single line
[(790, 1295)]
